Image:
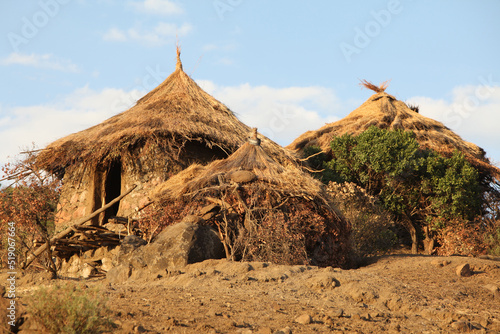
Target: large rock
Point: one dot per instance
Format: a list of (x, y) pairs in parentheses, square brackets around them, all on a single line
[(464, 270), (119, 274), (130, 243), (174, 248)]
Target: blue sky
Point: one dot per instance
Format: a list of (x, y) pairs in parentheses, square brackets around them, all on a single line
[(283, 66)]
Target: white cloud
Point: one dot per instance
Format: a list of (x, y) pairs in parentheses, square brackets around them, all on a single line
[(157, 7), (47, 61), (472, 112), (282, 114), (43, 124), (115, 34), (157, 36)]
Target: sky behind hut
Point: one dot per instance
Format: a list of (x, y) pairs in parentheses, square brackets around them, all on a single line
[(283, 66)]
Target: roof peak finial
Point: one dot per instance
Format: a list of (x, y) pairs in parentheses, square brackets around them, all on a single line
[(178, 65), (380, 89)]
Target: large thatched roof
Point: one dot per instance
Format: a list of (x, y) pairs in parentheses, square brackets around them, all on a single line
[(272, 196), (386, 112), (174, 113)]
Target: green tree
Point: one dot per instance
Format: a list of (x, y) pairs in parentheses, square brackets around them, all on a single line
[(419, 187)]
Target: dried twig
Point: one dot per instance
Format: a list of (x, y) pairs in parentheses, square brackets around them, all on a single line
[(312, 155)]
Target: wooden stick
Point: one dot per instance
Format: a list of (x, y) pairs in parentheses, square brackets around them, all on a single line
[(80, 221), (34, 151)]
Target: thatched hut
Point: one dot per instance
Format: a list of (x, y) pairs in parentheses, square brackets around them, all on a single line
[(262, 210), (171, 127), (386, 112)]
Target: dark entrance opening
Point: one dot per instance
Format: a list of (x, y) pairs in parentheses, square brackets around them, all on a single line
[(198, 152), (112, 188)]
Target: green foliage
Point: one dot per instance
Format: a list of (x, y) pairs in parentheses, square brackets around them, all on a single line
[(452, 186), (413, 184), (315, 156), (374, 158), (66, 308)]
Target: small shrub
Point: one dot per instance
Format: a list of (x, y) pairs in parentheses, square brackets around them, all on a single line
[(492, 236), (461, 238), (66, 308), (29, 202), (371, 225), (493, 242)]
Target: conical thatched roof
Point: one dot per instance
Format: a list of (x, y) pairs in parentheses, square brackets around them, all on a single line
[(274, 197), (386, 112), (249, 157), (174, 113)]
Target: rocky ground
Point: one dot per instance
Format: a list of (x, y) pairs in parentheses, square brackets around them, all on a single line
[(397, 293)]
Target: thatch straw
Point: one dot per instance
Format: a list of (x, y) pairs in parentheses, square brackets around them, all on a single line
[(174, 113), (386, 112)]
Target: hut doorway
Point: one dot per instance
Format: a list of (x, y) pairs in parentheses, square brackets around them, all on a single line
[(107, 186), (112, 189)]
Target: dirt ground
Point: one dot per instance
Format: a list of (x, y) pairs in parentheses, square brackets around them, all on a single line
[(397, 293)]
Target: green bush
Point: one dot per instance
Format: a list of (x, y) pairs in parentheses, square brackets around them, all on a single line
[(66, 308)]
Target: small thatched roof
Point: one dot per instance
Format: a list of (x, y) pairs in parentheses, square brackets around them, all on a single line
[(386, 112), (249, 157), (284, 197), (174, 113)]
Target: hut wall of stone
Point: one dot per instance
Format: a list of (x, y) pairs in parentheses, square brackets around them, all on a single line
[(76, 195), (146, 183), (149, 169)]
